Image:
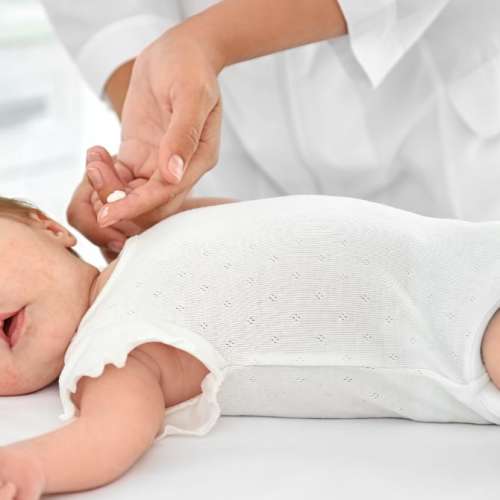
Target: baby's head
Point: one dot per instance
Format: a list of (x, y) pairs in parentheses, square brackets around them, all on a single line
[(46, 284)]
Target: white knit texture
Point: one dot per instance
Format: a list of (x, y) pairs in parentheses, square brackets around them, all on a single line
[(306, 306)]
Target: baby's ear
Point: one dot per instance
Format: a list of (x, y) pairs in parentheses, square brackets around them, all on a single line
[(55, 229)]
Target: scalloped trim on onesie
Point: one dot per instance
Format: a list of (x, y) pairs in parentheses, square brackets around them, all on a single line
[(195, 416)]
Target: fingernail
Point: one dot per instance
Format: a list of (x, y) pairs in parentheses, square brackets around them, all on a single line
[(93, 155), (95, 177), (103, 217), (116, 246), (176, 166)]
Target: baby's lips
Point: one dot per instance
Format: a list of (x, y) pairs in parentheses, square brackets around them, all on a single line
[(7, 315)]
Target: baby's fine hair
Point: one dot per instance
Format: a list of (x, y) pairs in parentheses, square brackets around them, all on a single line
[(21, 209), (13, 207)]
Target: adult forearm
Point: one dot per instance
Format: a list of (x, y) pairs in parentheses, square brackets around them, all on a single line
[(238, 30)]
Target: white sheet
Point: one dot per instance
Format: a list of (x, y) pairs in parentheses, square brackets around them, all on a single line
[(273, 458)]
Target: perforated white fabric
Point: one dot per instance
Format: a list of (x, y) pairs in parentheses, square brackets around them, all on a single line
[(306, 306)]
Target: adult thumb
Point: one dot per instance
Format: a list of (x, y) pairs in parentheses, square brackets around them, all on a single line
[(180, 142)]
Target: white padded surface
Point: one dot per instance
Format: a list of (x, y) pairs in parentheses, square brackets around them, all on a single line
[(292, 459)]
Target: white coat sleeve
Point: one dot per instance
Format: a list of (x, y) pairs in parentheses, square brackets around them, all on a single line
[(381, 32), (102, 35)]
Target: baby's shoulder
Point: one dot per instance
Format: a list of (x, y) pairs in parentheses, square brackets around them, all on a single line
[(102, 279)]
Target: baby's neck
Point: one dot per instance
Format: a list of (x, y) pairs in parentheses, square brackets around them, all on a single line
[(100, 281), (490, 349)]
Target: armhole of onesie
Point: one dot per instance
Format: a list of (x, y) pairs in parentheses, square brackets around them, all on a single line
[(195, 416)]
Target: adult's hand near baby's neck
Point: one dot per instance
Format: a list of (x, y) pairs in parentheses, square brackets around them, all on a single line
[(153, 191), (171, 114), (170, 124), (105, 179), (170, 105)]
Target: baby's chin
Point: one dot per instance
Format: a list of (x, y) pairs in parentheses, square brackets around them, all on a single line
[(44, 377), (27, 384), (39, 362)]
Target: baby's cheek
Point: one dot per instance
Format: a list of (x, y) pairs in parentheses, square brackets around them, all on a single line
[(10, 381)]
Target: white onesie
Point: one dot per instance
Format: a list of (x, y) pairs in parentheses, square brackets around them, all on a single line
[(305, 306)]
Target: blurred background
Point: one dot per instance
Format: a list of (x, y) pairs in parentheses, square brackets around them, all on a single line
[(48, 116)]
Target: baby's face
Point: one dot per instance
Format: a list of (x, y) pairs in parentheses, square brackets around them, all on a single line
[(41, 278)]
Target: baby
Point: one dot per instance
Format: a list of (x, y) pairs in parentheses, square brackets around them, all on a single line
[(297, 306)]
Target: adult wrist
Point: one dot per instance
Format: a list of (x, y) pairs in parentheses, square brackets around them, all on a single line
[(231, 32), (197, 28)]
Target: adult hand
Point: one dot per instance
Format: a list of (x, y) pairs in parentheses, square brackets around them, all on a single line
[(101, 179), (104, 179), (80, 214), (171, 124)]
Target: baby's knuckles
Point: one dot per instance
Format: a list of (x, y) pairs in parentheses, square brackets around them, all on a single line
[(22, 468)]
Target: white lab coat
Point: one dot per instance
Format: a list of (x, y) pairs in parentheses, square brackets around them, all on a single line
[(405, 110)]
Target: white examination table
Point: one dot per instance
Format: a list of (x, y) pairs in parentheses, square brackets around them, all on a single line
[(292, 459)]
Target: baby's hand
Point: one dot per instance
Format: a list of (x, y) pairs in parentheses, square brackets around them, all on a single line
[(21, 475)]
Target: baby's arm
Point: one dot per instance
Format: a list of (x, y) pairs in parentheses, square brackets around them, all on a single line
[(121, 412)]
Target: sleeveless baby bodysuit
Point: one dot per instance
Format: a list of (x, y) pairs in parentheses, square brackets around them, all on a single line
[(305, 306)]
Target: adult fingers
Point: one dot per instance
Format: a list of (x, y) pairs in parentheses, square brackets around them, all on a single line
[(107, 181), (107, 174), (104, 178), (161, 197), (99, 153), (81, 216), (205, 158), (138, 202), (190, 110), (207, 154), (125, 173), (128, 228)]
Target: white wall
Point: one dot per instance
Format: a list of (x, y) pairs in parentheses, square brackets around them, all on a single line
[(48, 116)]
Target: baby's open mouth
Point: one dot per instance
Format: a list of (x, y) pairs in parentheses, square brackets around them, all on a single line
[(10, 326)]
